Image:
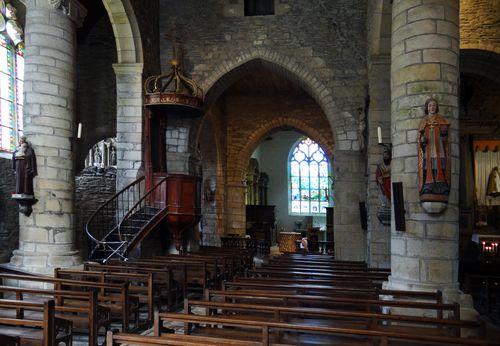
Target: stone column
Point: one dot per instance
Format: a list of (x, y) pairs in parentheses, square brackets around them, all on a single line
[(425, 48), (128, 122), (47, 237)]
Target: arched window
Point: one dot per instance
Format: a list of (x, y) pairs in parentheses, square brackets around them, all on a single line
[(309, 169), (11, 78)]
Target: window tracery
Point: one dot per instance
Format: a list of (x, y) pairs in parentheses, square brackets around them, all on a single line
[(309, 168), (11, 77)]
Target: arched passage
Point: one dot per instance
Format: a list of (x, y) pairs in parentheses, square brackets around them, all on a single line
[(128, 70), (126, 30), (230, 70)]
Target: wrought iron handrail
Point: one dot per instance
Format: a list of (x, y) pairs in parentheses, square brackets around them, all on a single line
[(145, 201), (140, 203), (105, 219)]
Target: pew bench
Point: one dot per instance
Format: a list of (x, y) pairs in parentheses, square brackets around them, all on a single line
[(117, 339), (170, 292), (33, 330), (115, 297), (267, 331), (88, 317), (140, 286), (338, 318), (317, 301)]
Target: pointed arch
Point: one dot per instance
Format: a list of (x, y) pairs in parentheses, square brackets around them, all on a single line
[(229, 70)]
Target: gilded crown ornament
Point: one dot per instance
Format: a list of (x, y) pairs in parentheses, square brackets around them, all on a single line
[(174, 89)]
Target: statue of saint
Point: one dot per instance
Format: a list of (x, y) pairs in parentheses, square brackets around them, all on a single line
[(493, 187), (383, 175), (24, 166), (434, 155)]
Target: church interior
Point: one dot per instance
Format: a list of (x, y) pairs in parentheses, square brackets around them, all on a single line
[(249, 172)]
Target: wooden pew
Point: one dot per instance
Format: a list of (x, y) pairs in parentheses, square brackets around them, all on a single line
[(332, 290), (47, 331), (245, 256), (186, 272), (140, 285), (116, 339), (115, 296), (322, 270), (317, 301), (88, 316), (346, 283), (340, 318), (264, 331), (311, 274), (163, 279)]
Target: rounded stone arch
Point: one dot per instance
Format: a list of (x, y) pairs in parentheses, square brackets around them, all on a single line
[(480, 63), (229, 70), (126, 30), (261, 132)]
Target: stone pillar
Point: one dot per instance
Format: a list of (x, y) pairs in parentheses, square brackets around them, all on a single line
[(235, 191), (47, 237), (128, 122), (379, 89), (425, 48), (349, 190)]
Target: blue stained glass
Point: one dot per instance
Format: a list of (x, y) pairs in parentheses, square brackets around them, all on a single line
[(309, 182), (314, 182), (11, 90)]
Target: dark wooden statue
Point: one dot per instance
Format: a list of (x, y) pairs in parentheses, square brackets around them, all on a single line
[(434, 167), (25, 169)]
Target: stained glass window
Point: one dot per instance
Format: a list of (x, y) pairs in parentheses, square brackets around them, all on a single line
[(308, 184), (11, 78)]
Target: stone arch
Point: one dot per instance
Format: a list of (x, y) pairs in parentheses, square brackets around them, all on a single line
[(230, 69), (128, 71), (126, 30), (261, 132), (480, 63)]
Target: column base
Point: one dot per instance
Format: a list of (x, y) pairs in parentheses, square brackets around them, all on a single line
[(44, 263)]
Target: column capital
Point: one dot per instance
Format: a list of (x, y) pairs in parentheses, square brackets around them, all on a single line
[(72, 8), (128, 68)]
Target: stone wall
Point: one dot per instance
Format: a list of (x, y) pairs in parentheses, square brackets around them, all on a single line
[(147, 14), (479, 27), (321, 46), (9, 216), (93, 187), (96, 85), (248, 120), (209, 204)]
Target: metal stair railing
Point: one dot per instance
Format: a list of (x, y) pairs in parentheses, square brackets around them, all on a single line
[(105, 220), (149, 200)]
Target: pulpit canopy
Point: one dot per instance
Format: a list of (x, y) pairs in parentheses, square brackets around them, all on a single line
[(174, 94)]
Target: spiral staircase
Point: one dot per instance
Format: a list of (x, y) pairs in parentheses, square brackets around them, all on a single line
[(120, 224)]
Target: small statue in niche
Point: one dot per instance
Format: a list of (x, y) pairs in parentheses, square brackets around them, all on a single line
[(383, 177), (25, 169), (493, 187), (24, 166), (434, 166)]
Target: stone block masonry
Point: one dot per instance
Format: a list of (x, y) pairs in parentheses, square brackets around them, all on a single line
[(426, 256), (320, 45), (46, 238)]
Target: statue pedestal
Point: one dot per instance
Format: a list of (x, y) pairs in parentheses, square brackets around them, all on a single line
[(434, 207), (25, 202)]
